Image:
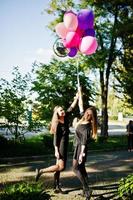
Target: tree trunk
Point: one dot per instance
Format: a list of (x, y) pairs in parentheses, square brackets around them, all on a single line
[(104, 100), (16, 131), (104, 80), (104, 125)]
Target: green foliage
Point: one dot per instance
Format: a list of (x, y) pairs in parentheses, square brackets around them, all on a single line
[(24, 191), (3, 141), (56, 84), (109, 143), (43, 145), (36, 145), (125, 189), (111, 20), (47, 140), (12, 98)]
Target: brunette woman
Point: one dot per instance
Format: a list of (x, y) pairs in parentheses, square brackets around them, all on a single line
[(86, 128), (60, 129)]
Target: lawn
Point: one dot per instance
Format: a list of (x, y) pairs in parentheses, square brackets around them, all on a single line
[(43, 145)]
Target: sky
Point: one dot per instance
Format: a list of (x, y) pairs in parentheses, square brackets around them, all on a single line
[(24, 37)]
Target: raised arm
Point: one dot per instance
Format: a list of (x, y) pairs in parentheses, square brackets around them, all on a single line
[(73, 103), (80, 102)]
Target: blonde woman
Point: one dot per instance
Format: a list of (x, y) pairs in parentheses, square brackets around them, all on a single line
[(86, 128), (60, 130)]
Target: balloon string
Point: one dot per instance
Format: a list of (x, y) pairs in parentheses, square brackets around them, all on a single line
[(78, 81)]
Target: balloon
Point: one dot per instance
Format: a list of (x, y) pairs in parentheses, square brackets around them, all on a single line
[(76, 32), (72, 40), (89, 32), (70, 21), (88, 45), (80, 32), (85, 19), (61, 30), (73, 52), (59, 48), (93, 48)]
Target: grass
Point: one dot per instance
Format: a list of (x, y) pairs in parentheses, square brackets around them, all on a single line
[(43, 145), (29, 191)]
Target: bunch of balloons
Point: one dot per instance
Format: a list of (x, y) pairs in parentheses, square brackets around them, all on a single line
[(76, 33)]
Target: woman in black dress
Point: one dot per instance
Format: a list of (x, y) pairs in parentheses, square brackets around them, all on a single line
[(60, 129), (86, 128), (130, 135)]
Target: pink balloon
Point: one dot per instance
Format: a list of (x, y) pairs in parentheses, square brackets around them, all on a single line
[(88, 45), (72, 40), (71, 21), (79, 32), (93, 48), (61, 30)]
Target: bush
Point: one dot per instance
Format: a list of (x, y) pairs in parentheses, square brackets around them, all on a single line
[(125, 189), (47, 140), (24, 191), (3, 141), (115, 117)]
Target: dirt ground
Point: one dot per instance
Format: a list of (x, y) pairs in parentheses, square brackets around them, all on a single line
[(104, 171)]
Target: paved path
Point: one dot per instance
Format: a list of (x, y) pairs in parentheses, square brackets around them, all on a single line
[(103, 170)]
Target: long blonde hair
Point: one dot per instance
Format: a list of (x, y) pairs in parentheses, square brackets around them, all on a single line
[(93, 120), (55, 120)]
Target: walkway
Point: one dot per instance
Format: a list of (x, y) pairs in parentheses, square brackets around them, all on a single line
[(104, 171)]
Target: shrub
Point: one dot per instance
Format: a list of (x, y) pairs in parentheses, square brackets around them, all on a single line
[(125, 189), (24, 191), (3, 141), (47, 140)]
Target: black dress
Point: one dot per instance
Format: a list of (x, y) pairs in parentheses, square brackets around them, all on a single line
[(82, 136), (61, 137), (130, 136)]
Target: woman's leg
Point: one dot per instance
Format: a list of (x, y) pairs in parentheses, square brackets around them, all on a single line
[(57, 185), (56, 179), (129, 142), (84, 172), (83, 169), (77, 170), (59, 166), (132, 142)]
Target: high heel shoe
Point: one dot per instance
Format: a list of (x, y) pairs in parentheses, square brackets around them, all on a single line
[(59, 190), (87, 194)]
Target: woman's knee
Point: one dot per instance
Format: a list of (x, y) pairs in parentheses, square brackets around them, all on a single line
[(75, 166), (62, 167)]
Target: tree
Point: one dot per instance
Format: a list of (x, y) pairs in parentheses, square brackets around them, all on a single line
[(107, 17), (56, 84), (124, 70), (12, 98)]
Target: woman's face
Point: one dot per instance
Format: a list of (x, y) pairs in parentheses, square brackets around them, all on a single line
[(61, 112), (88, 115)]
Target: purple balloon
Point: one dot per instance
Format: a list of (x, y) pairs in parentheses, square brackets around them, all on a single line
[(73, 52), (89, 32), (85, 19)]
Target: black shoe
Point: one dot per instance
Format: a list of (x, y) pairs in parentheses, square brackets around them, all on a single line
[(38, 174), (59, 190), (87, 194)]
